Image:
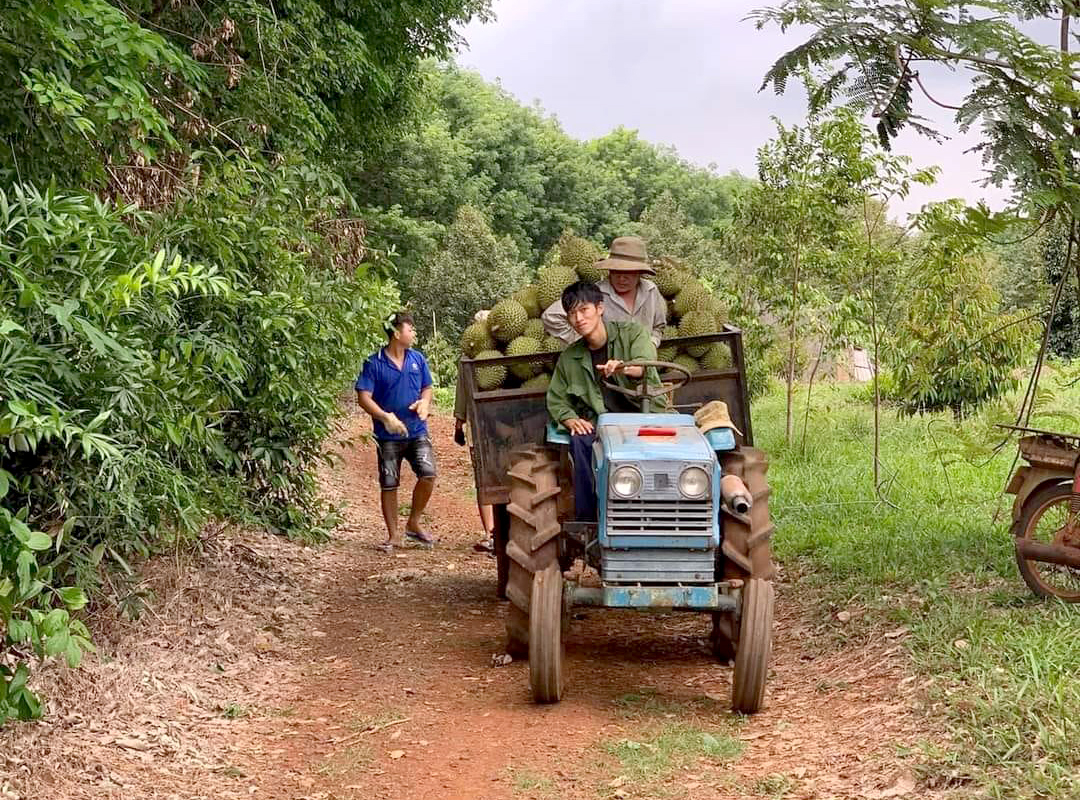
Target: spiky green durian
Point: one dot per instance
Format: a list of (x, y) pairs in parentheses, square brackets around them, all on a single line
[(476, 338), (670, 279), (524, 346), (507, 320), (581, 255), (551, 344), (717, 356), (538, 382), (668, 352), (690, 297), (697, 323), (526, 295), (551, 282), (492, 377), (689, 362), (534, 329)]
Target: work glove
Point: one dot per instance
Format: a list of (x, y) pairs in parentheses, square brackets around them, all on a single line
[(459, 436), (395, 425)]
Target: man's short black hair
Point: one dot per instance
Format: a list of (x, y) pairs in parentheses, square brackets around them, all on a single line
[(396, 320), (580, 294)]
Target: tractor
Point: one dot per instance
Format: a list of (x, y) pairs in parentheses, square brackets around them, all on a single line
[(683, 522)]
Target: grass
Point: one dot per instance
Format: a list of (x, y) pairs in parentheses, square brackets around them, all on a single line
[(1002, 664), (525, 781), (668, 747)]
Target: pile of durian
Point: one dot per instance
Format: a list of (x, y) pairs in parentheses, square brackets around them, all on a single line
[(513, 328)]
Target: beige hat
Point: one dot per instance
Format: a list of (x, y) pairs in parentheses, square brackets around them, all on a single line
[(714, 414), (627, 254)]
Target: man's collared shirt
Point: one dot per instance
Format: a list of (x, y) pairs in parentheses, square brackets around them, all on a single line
[(649, 311), (394, 389)]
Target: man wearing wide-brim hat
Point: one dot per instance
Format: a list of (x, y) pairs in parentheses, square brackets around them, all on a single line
[(628, 295)]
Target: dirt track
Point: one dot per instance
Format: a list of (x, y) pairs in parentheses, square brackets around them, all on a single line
[(282, 672)]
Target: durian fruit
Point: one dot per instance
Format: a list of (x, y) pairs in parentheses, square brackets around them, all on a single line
[(507, 320), (697, 323), (551, 282), (717, 356), (715, 306), (534, 329), (524, 346), (668, 352), (581, 255), (551, 344), (690, 297), (476, 338), (541, 381), (526, 295), (492, 377), (669, 277), (689, 362)]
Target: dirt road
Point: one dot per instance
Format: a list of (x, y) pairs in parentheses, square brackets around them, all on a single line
[(270, 670)]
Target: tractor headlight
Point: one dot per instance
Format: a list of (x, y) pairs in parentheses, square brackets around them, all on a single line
[(626, 481), (694, 483)]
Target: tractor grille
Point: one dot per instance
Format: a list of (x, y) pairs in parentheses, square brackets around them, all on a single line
[(657, 566), (647, 523)]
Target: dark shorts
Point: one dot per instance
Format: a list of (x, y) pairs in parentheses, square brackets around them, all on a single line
[(418, 452)]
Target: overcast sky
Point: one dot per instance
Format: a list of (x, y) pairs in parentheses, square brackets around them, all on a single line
[(682, 72)]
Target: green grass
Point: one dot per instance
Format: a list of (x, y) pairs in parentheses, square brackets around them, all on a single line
[(1002, 663), (668, 747), (526, 781)]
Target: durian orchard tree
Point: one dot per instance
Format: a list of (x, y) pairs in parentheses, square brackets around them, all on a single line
[(1023, 94), (788, 226), (472, 270)]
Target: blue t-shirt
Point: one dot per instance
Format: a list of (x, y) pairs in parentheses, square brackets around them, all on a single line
[(394, 390)]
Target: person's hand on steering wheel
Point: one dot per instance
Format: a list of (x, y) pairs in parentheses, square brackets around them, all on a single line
[(614, 367)]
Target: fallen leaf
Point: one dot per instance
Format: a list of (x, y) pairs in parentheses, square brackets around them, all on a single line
[(619, 781), (843, 616), (896, 634), (396, 754), (961, 644)]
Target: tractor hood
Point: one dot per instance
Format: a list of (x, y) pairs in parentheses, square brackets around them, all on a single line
[(621, 437)]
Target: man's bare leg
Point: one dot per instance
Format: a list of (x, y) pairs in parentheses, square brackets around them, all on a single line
[(388, 501), (420, 496), (487, 518)]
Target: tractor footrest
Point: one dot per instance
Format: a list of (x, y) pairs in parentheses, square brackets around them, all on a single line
[(712, 597)]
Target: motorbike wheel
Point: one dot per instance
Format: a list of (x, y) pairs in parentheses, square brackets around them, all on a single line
[(1043, 519)]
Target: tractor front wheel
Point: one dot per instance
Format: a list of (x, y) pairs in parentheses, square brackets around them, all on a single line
[(545, 636), (755, 646)]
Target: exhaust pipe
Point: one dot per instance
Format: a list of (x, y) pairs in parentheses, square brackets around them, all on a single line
[(1049, 553), (736, 496)]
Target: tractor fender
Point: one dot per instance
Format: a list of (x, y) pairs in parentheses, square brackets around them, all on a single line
[(1028, 480)]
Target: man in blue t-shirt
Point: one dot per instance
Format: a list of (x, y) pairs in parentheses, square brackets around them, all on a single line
[(394, 387)]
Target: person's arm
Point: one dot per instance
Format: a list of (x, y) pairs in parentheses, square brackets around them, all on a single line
[(558, 402), (365, 386), (659, 320), (422, 406), (556, 324)]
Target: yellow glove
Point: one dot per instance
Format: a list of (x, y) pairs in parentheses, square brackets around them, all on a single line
[(395, 425)]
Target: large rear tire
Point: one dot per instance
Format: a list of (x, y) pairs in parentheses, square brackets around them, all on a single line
[(545, 636), (755, 646), (534, 535)]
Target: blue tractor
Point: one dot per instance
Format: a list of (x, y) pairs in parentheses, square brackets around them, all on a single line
[(683, 524)]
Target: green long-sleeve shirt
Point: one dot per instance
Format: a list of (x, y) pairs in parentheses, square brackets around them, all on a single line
[(575, 392)]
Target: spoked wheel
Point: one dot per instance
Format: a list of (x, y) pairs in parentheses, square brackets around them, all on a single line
[(545, 636), (1046, 519), (755, 646)]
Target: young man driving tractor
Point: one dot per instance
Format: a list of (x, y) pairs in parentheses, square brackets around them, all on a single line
[(577, 395)]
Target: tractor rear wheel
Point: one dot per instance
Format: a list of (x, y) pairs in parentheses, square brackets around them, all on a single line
[(533, 544), (545, 636), (755, 646)]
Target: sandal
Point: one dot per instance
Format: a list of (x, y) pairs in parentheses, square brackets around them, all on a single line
[(421, 537), (385, 547)]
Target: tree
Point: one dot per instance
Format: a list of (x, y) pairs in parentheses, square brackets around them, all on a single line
[(473, 269), (1023, 94), (788, 226)]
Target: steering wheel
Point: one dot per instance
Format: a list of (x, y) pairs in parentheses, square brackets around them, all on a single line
[(646, 392)]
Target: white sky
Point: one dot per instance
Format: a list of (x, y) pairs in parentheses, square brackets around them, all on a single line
[(685, 73)]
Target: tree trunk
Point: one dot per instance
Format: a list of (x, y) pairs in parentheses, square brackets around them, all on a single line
[(789, 421)]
